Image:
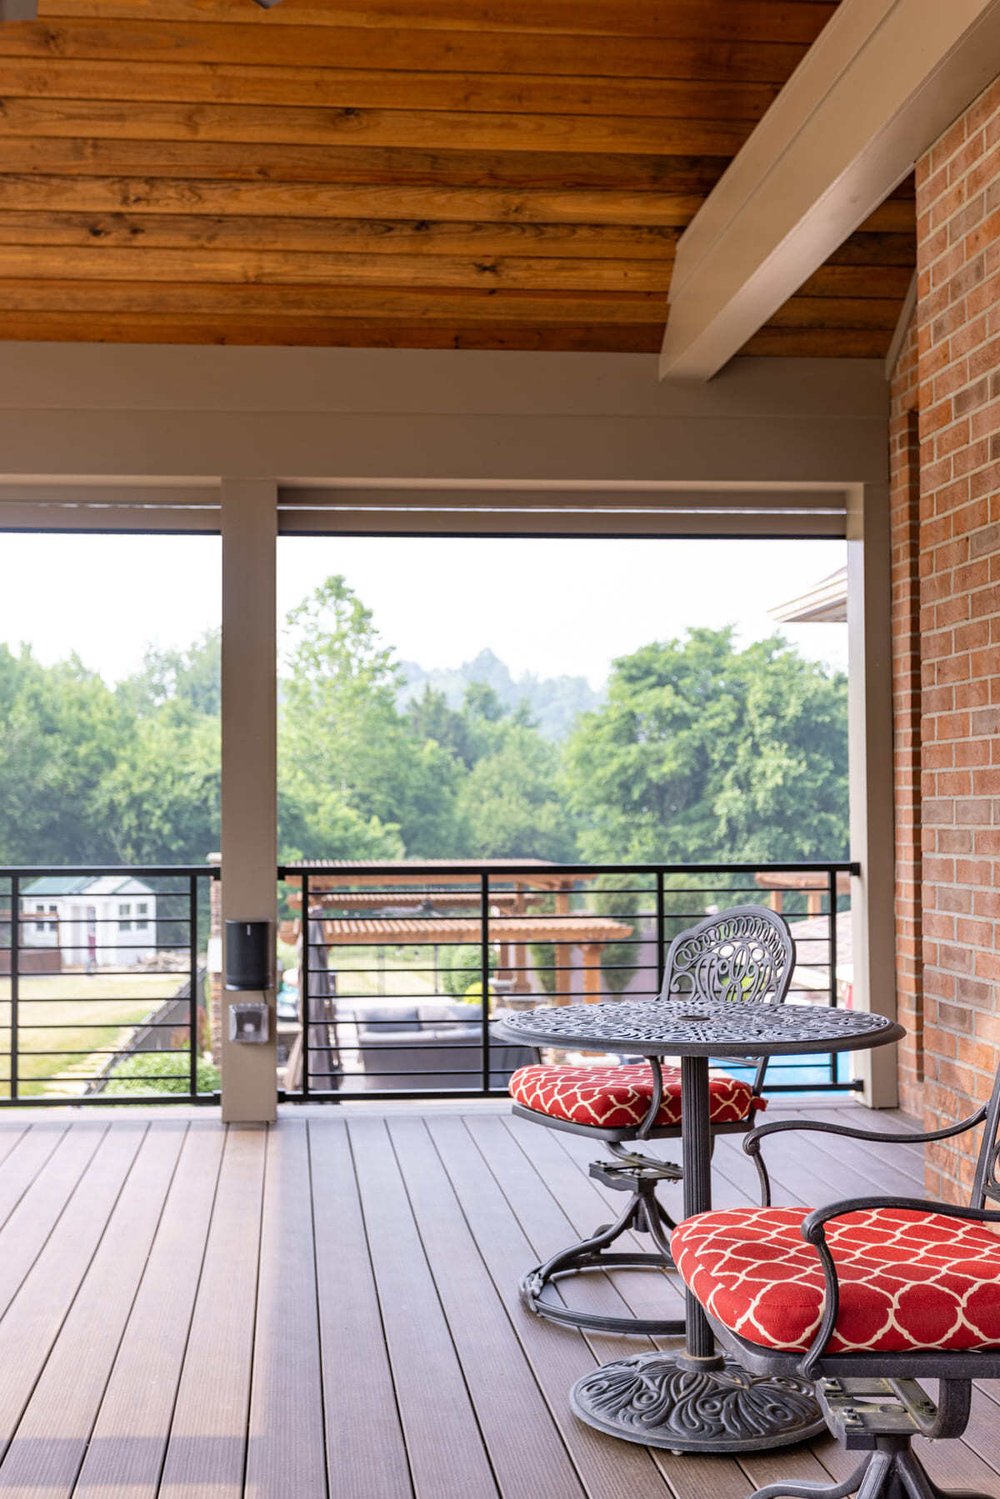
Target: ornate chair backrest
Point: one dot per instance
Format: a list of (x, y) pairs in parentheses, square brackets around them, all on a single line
[(745, 954), (986, 1187)]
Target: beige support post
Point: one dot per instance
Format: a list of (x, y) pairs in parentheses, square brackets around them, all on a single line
[(249, 763), (872, 822)]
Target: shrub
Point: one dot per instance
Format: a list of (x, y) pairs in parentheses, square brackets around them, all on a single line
[(159, 1072), (462, 966)]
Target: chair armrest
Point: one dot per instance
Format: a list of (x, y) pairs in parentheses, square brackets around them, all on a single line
[(751, 1141), (753, 1138), (813, 1227), (814, 1233)]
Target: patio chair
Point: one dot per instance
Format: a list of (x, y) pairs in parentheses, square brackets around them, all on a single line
[(745, 955), (864, 1297)]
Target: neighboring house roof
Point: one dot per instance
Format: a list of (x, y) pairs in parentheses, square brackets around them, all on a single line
[(824, 603), (57, 884), (86, 884)]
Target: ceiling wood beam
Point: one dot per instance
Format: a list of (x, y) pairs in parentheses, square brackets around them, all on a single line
[(876, 90)]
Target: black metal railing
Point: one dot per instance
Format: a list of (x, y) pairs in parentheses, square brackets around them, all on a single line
[(395, 962), (102, 984)]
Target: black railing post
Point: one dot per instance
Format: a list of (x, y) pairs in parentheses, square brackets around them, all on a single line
[(484, 971), (15, 973), (193, 982), (661, 937), (832, 898), (305, 965)]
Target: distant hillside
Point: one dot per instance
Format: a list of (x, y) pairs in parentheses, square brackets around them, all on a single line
[(553, 702)]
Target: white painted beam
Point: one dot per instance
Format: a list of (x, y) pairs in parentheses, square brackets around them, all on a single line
[(876, 89)]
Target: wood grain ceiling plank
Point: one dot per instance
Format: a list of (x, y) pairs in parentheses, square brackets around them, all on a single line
[(268, 269), (819, 343), (331, 236), (344, 47), (370, 302), (219, 83), (215, 200), (859, 281), (745, 20), (325, 333), (271, 267), (877, 249), (279, 165), (422, 130), (837, 312)]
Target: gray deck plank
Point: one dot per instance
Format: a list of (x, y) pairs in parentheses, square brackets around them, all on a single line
[(559, 1356), (48, 1448), (125, 1454), (286, 1436), (206, 1452), (715, 1478), (365, 1450), (42, 1181), (376, 1348), (35, 1317), (448, 1459), (13, 1135), (525, 1448)]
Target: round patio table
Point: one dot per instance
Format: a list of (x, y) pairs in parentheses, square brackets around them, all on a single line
[(697, 1400)]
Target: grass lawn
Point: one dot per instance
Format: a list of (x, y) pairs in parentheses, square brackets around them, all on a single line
[(72, 1016), (387, 972)]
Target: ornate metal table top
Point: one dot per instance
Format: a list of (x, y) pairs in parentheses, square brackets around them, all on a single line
[(678, 1027)]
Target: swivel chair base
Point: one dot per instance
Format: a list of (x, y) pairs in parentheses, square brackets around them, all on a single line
[(639, 1175), (882, 1416), (892, 1471)]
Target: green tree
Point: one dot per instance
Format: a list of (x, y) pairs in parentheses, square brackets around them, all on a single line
[(703, 752), (61, 730), (160, 800), (353, 772), (511, 800), (193, 677)]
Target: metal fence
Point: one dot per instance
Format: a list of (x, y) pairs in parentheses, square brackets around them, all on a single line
[(101, 986), (394, 962)]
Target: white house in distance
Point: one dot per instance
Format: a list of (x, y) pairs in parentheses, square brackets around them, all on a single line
[(103, 921)]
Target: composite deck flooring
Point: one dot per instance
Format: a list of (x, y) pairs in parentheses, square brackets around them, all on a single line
[(328, 1310)]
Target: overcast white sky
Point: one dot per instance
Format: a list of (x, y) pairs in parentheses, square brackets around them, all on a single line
[(549, 607)]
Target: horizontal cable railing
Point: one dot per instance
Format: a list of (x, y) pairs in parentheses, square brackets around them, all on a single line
[(102, 984), (398, 968)]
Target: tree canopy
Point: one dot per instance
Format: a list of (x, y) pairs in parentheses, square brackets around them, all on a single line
[(700, 751), (704, 751)]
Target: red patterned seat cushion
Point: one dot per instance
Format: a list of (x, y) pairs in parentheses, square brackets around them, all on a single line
[(909, 1280), (619, 1096)]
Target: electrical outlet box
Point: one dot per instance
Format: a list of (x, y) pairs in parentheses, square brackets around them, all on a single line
[(249, 1022)]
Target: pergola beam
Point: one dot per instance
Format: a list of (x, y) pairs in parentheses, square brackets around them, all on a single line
[(877, 88)]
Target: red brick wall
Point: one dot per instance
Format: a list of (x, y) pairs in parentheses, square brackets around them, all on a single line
[(904, 501), (956, 539)]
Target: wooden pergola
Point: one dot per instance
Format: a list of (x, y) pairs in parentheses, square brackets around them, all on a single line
[(591, 934)]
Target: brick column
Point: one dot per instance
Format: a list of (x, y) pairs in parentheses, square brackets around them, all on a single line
[(955, 542)]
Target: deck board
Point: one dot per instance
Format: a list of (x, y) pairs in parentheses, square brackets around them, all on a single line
[(48, 1449), (448, 1459), (364, 1434), (330, 1309), (125, 1456), (206, 1451)]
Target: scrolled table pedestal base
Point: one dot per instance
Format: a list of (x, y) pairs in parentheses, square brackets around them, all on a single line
[(666, 1400)]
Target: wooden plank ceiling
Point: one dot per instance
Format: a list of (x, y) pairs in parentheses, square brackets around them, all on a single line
[(410, 173)]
